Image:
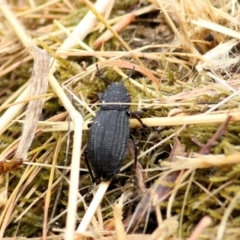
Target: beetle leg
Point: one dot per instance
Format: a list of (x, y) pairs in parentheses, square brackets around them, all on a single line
[(91, 190), (139, 176), (136, 115), (135, 144), (89, 167)]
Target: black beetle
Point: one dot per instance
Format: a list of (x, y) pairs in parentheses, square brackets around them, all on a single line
[(109, 133)]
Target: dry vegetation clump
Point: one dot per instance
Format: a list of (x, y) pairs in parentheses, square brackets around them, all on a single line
[(185, 56)]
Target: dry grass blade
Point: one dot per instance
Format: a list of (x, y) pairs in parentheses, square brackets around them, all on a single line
[(165, 230), (93, 207), (50, 184), (38, 86), (115, 34), (117, 27), (76, 117), (205, 161), (120, 231), (156, 122), (218, 57), (203, 224), (227, 212), (217, 27)]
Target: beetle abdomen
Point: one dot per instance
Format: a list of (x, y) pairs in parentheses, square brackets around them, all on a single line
[(107, 143)]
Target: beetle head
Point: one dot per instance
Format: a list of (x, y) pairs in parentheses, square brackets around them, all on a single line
[(115, 93)]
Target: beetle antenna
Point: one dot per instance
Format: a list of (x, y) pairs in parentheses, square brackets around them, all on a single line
[(99, 75), (130, 75)]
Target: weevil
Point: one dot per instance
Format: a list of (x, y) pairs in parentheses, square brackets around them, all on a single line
[(109, 133)]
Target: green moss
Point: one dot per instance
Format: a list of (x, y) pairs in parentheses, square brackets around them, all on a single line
[(74, 17)]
